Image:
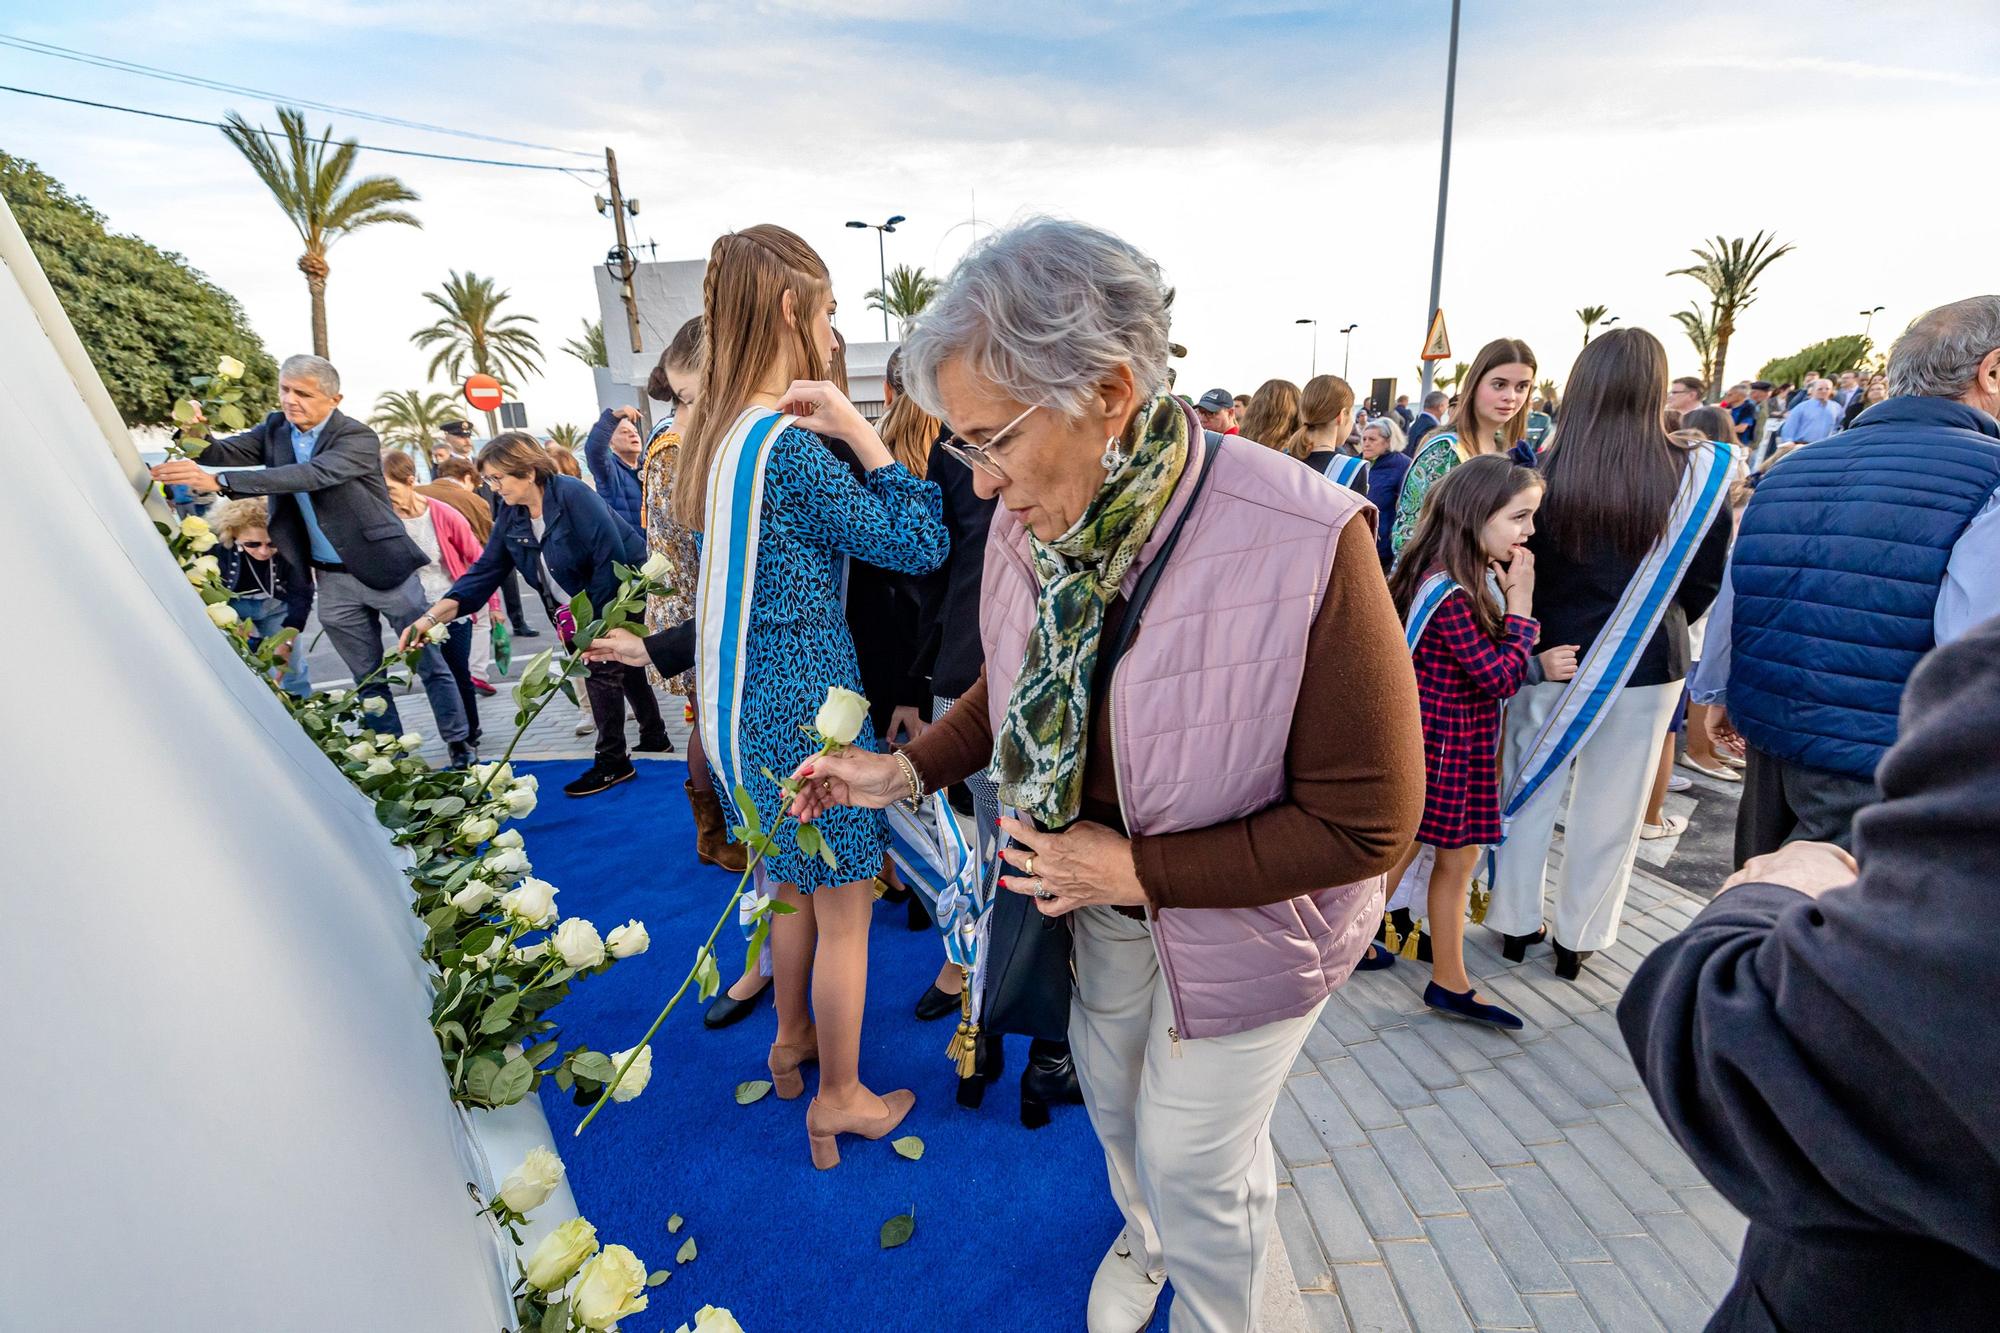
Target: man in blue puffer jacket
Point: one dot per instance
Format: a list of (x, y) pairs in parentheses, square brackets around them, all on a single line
[(611, 451), (1858, 555)]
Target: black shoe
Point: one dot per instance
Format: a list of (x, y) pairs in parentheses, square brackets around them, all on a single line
[(1049, 1078), (463, 754), (1461, 1004), (1569, 962), (523, 632), (1515, 947), (660, 744), (1377, 958), (919, 915), (597, 778), (935, 1004), (989, 1062), (727, 1009)]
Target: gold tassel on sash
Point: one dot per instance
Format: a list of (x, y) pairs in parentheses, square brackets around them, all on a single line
[(1482, 898), (964, 1044), (1392, 940), (1409, 949)]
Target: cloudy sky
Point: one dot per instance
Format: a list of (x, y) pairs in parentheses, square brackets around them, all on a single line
[(1279, 159)]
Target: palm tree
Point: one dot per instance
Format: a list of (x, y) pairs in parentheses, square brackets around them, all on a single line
[(1547, 389), (589, 349), (909, 291), (1591, 315), (1730, 270), (1700, 329), (1458, 373), (412, 418), (308, 178), (475, 338), (566, 435)]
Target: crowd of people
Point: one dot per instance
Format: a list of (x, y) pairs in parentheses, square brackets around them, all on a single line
[(1223, 681)]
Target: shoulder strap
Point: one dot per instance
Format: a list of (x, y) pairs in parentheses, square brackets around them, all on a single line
[(1142, 591)]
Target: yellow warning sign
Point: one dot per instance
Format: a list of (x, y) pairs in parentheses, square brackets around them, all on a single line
[(1437, 343)]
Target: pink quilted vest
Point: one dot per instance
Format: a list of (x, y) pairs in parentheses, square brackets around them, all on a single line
[(1201, 708)]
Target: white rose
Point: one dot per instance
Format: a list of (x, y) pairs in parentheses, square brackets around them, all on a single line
[(476, 830), (494, 774), (335, 696), (485, 959), (475, 895), (378, 766), (579, 943), (628, 940), (507, 838), (611, 1287), (222, 614), (203, 568), (713, 1319), (194, 525), (531, 953), (360, 750), (205, 542), (436, 634), (409, 740), (374, 705), (521, 802), (560, 1254), (506, 861), (657, 566), (529, 1185), (841, 716), (229, 368), (533, 903), (637, 1077), (526, 782)]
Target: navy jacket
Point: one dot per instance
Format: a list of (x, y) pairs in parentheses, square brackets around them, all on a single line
[(581, 541), (1837, 570), (247, 576), (1426, 423), (617, 483), (1829, 1064), (349, 498), (1385, 484)]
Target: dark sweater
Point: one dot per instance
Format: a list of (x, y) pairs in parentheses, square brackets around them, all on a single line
[(247, 576), (1354, 761), (1830, 1064), (951, 653)]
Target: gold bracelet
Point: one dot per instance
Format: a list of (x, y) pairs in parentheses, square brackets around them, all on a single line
[(911, 775)]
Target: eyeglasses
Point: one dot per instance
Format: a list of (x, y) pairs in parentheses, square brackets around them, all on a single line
[(981, 455)]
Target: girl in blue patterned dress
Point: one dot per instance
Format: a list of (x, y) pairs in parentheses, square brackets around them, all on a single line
[(768, 307)]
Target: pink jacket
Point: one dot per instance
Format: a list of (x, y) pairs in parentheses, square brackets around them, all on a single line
[(1201, 708), (456, 544)]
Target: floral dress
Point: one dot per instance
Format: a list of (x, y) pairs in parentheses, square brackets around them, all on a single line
[(666, 537), (1437, 456), (815, 513)]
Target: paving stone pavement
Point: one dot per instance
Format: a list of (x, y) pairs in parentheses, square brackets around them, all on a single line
[(1440, 1175)]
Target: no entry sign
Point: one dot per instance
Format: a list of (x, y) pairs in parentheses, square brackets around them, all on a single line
[(483, 392)]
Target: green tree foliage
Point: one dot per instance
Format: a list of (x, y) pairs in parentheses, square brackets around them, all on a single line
[(474, 337), (1591, 315), (1849, 351), (1730, 269), (149, 321), (589, 349), (909, 291), (412, 419)]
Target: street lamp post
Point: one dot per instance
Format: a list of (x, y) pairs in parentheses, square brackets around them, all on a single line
[(882, 229), (1868, 329), (1444, 187), (1315, 360), (1346, 346)]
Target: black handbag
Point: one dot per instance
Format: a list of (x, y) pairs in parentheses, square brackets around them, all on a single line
[(1027, 954)]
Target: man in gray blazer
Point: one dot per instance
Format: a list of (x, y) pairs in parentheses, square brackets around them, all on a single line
[(330, 513)]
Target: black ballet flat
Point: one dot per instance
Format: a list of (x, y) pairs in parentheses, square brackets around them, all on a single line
[(1569, 962), (919, 917), (1461, 1004), (1514, 948), (727, 1010), (935, 1004), (1377, 958), (1049, 1078)]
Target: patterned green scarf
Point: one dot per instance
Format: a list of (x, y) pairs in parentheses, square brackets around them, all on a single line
[(1038, 755)]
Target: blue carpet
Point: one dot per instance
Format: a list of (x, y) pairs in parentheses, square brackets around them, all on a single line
[(1010, 1223)]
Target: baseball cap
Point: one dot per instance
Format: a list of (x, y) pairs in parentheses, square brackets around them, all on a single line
[(1216, 400)]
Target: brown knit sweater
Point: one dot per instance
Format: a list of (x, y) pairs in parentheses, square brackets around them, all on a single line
[(1355, 762)]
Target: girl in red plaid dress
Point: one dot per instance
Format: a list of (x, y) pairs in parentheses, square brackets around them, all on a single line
[(1465, 586)]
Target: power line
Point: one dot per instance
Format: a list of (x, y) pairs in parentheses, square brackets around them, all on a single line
[(272, 134), (216, 85)]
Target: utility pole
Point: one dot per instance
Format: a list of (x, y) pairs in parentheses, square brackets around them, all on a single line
[(1346, 347), (625, 256), (1444, 187)]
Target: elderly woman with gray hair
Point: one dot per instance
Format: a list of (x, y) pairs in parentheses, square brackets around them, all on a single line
[(1198, 706)]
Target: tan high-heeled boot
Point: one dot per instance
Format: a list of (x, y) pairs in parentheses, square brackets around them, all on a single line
[(824, 1125), (784, 1062), (711, 832)]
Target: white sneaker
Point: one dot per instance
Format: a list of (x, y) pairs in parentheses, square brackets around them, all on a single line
[(1123, 1294), (585, 725), (1675, 782)]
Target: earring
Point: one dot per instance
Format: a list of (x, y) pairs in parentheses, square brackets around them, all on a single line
[(1111, 460)]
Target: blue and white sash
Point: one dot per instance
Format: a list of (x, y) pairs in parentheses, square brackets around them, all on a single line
[(728, 580), (1588, 695), (1343, 469)]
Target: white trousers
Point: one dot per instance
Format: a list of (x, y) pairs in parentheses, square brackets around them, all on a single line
[(1185, 1126), (482, 645), (1614, 775)]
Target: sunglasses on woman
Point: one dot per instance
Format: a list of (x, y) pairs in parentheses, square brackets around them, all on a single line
[(981, 455)]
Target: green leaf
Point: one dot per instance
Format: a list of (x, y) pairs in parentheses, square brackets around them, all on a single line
[(230, 417), (513, 1083), (687, 1252), (478, 940), (563, 1078), (747, 808), (898, 1229), (539, 1052), (480, 1076), (440, 917), (659, 1278), (753, 1091), (826, 855), (808, 840), (555, 1319), (594, 1065), (500, 1013), (674, 1224), (447, 807), (580, 607), (706, 975), (781, 908), (909, 1146)]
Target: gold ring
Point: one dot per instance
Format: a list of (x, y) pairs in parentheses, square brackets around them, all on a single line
[(1028, 864)]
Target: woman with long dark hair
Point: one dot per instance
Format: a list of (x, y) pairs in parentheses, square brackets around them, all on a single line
[(1273, 415), (1627, 551), (1490, 417)]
